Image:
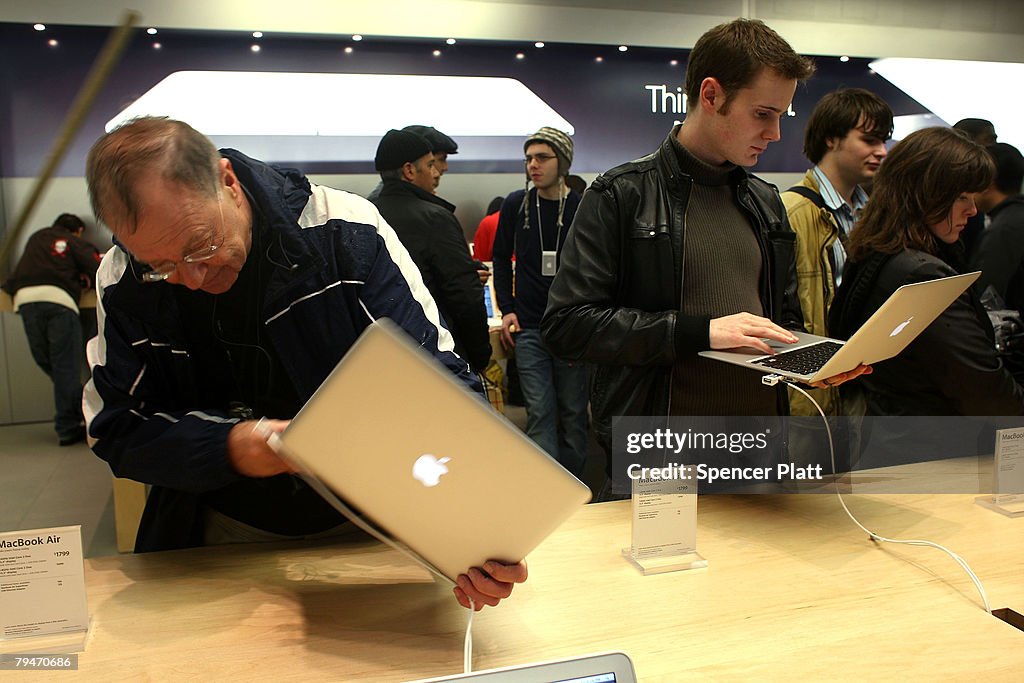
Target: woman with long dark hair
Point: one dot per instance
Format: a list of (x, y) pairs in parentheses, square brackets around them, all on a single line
[(922, 197)]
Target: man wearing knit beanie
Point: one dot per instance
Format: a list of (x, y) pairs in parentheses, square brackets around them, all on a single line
[(428, 229), (532, 225), (559, 142), (684, 250)]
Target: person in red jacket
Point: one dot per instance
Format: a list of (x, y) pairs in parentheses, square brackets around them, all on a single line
[(483, 239)]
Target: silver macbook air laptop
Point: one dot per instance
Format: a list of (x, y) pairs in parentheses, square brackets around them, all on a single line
[(392, 433), (903, 316), (611, 667)]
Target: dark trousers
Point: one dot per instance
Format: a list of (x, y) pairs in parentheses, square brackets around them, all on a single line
[(555, 394), (55, 337)]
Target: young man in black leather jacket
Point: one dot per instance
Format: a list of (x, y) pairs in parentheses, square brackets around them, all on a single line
[(684, 250)]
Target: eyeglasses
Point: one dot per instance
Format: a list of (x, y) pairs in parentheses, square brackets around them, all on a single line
[(146, 273), (542, 158)]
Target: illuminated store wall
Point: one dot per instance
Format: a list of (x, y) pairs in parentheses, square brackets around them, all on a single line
[(620, 104)]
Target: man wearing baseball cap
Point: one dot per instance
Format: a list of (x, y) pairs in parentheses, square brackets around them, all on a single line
[(428, 229), (533, 224)]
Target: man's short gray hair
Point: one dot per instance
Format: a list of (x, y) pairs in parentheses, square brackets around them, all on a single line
[(177, 151)]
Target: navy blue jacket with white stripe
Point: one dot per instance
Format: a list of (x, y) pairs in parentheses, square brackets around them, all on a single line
[(144, 404)]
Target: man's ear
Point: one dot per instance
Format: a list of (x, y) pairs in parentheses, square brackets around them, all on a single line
[(712, 94), (408, 171), (230, 181)]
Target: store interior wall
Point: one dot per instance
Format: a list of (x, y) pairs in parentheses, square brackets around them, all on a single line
[(981, 29), (947, 29)]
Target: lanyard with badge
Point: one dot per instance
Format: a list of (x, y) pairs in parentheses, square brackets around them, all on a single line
[(548, 258)]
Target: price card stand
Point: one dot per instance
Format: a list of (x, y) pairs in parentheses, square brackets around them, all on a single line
[(664, 527), (42, 591), (1007, 474)]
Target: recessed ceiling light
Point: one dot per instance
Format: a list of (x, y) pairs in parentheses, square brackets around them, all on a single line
[(539, 43), (157, 46), (348, 50), (450, 41), (357, 37), (52, 42), (151, 31), (437, 53), (520, 55), (39, 27), (257, 34), (598, 59), (674, 62), (255, 48), (844, 58), (622, 48)]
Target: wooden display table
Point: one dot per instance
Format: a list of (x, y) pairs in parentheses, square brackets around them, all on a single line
[(794, 591)]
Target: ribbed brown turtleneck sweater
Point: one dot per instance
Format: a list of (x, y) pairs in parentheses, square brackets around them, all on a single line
[(722, 266)]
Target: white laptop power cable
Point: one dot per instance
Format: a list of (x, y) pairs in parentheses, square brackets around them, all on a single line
[(274, 441), (772, 380)]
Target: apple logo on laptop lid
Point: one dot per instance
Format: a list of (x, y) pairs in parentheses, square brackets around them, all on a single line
[(428, 469), (899, 328)]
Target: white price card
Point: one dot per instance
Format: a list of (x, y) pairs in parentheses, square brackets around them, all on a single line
[(1008, 469), (42, 582), (664, 518)]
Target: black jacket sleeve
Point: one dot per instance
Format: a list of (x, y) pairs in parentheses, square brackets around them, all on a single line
[(963, 357), (999, 256), (501, 253), (792, 314), (585, 320), (459, 291), (951, 368), (785, 301)]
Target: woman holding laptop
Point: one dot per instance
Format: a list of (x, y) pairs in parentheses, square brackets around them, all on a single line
[(909, 232)]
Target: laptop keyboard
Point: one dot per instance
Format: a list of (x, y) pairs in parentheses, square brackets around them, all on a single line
[(803, 361)]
